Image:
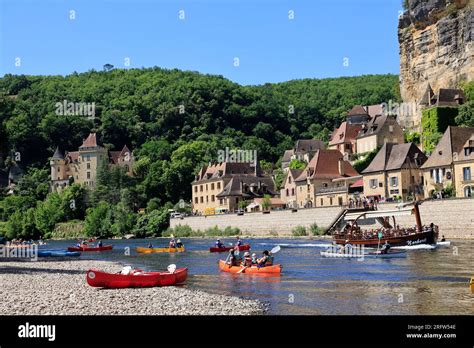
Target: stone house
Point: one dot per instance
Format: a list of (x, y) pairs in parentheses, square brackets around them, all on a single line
[(325, 166), (395, 172), (304, 150), (220, 187), (378, 131), (288, 190), (81, 166), (451, 164)]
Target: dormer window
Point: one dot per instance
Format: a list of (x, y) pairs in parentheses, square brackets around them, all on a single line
[(467, 151)]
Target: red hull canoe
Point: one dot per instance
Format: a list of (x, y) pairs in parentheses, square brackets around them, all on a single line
[(137, 279), (224, 249), (102, 248), (274, 269)]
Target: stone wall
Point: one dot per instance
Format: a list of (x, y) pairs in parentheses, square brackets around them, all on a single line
[(455, 218)]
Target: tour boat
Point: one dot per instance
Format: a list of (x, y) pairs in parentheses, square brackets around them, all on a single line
[(394, 235), (159, 250), (136, 279), (88, 248), (227, 248), (273, 269)]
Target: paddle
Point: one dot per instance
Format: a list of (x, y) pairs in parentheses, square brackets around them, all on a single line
[(273, 251), (172, 268)]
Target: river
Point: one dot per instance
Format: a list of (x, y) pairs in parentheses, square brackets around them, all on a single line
[(428, 281)]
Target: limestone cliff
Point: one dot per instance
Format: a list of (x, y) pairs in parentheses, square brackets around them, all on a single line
[(436, 40)]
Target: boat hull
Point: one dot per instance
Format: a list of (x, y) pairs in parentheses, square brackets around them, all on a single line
[(409, 240), (159, 250), (390, 255), (274, 269), (102, 248), (224, 249), (100, 279), (58, 253)]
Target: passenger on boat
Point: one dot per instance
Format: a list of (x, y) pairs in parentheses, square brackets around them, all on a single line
[(150, 246), (262, 262), (219, 244), (443, 239), (179, 244), (254, 259), (247, 260), (239, 242), (172, 243), (231, 259), (385, 248), (99, 244)]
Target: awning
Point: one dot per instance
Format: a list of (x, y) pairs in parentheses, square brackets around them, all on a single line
[(252, 205), (379, 213), (358, 183)]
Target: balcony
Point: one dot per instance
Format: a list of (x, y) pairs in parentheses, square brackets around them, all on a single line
[(340, 189)]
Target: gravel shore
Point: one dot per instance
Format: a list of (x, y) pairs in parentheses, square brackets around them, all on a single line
[(60, 288)]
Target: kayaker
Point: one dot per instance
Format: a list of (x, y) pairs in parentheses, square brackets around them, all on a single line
[(247, 259), (179, 244), (99, 244), (231, 259), (443, 239), (385, 247), (172, 243), (254, 259), (263, 260), (270, 259), (150, 246), (219, 244), (239, 242)]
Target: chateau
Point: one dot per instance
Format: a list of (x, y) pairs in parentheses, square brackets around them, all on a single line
[(81, 166)]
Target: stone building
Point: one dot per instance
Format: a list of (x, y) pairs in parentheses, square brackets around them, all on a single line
[(81, 166), (378, 131), (304, 150)]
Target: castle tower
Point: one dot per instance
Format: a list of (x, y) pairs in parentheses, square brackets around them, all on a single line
[(91, 156), (58, 166)]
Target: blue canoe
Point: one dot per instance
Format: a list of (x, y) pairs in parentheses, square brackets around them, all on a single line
[(58, 253)]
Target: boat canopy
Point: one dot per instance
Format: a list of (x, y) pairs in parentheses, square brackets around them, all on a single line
[(379, 214)]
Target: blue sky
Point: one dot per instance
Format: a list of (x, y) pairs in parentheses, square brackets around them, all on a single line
[(270, 46)]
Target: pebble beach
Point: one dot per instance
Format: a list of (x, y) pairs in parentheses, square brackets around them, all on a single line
[(60, 288)]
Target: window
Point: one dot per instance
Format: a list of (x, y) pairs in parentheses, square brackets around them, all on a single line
[(322, 202), (287, 192), (213, 198), (393, 181), (88, 158), (206, 187), (373, 183), (207, 199), (212, 186), (59, 169), (88, 175), (468, 191), (330, 201), (200, 188), (292, 191), (88, 166), (218, 185), (196, 200), (466, 173), (380, 184), (289, 179), (467, 151), (339, 200), (202, 199), (195, 189), (390, 129)]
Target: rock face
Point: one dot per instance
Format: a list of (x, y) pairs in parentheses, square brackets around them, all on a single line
[(436, 40)]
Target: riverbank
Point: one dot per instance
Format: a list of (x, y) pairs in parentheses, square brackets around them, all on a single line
[(60, 288)]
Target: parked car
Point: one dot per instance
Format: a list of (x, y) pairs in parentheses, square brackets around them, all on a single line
[(240, 212), (177, 216)]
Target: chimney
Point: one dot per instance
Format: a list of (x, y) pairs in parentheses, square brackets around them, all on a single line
[(340, 166)]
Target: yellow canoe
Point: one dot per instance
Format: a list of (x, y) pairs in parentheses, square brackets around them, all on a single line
[(159, 250), (472, 285)]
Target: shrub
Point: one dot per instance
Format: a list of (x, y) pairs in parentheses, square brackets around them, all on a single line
[(299, 231), (316, 230)]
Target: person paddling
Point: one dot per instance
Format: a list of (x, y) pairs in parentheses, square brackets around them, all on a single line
[(172, 244), (385, 248), (263, 260), (179, 244), (150, 246), (99, 244), (219, 244), (231, 259)]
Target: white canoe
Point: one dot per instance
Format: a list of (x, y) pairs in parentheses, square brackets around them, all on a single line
[(444, 244)]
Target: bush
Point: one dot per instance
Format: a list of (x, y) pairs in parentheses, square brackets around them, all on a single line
[(434, 122), (316, 230), (68, 230), (299, 231), (186, 231)]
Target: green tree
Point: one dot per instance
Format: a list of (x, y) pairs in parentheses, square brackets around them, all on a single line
[(297, 164)]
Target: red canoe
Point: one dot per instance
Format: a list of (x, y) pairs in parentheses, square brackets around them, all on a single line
[(137, 279), (221, 250), (86, 248)]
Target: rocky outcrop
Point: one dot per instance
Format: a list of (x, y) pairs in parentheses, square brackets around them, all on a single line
[(436, 40)]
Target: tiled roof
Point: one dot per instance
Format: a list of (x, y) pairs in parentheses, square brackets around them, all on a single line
[(325, 165), (452, 141), (376, 124), (346, 133), (227, 169), (236, 184), (58, 154), (357, 110), (309, 145), (73, 155), (287, 155), (375, 110), (396, 156), (90, 141)]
